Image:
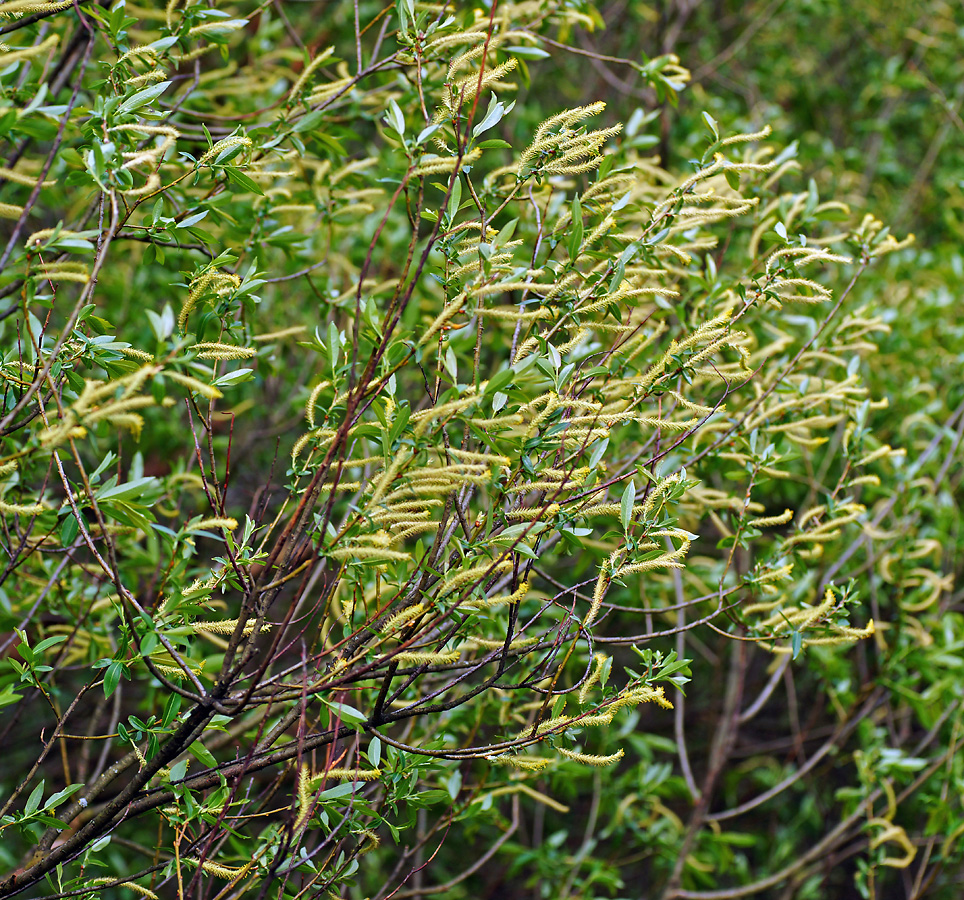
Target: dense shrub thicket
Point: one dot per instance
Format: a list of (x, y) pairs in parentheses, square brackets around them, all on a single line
[(419, 477)]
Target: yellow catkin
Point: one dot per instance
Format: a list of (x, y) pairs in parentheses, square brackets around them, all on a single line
[(501, 599), (130, 885), (535, 512), (475, 573), (543, 727), (599, 592), (382, 554), (227, 626), (17, 8), (214, 350), (388, 476), (319, 60), (766, 521), (21, 509), (495, 644), (278, 335), (599, 660), (205, 390), (465, 90), (219, 26), (24, 178), (352, 774), (225, 872), (438, 165), (134, 353), (880, 452), (526, 763), (419, 658), (112, 409), (227, 524), (404, 617), (587, 759), (775, 575), (10, 211)]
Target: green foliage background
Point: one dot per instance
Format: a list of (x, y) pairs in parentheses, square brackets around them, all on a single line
[(392, 432)]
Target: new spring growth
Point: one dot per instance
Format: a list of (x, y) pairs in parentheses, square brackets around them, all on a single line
[(767, 521), (801, 619), (13, 175), (599, 662), (631, 697), (587, 759), (225, 872), (236, 140), (426, 658), (525, 763), (559, 149), (130, 885), (114, 402), (21, 509), (228, 524), (17, 8), (220, 284), (475, 573), (602, 585), (399, 620), (464, 90), (309, 70), (500, 599), (215, 350), (228, 626), (309, 782)]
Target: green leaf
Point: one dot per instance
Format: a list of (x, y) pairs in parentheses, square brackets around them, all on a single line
[(575, 235), (338, 791), (455, 198), (454, 784), (54, 800), (527, 52), (238, 178), (33, 801), (498, 381), (142, 98), (348, 714), (238, 376), (201, 753), (309, 122), (112, 677), (395, 119), (47, 643), (626, 506), (129, 490)]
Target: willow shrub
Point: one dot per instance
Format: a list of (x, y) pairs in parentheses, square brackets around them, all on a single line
[(344, 448)]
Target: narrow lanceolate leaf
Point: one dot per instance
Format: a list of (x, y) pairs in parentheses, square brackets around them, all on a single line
[(142, 98), (626, 505), (575, 236)]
